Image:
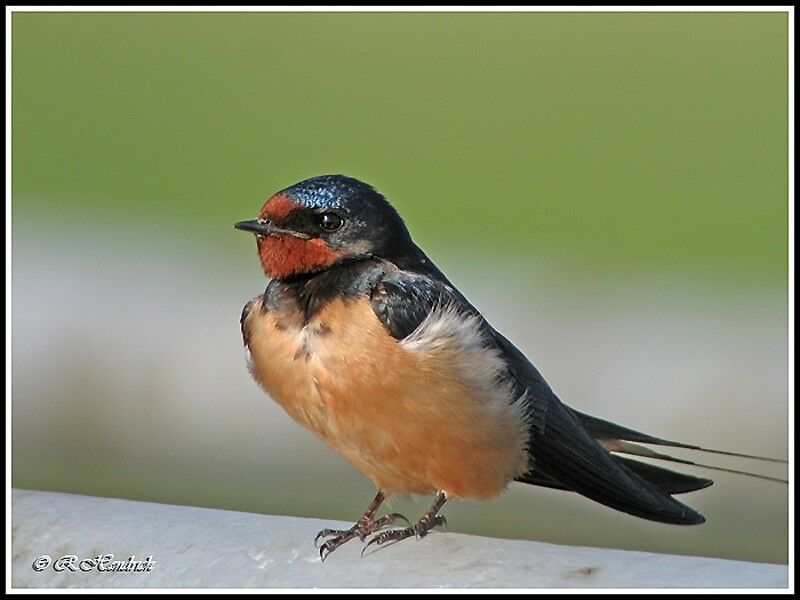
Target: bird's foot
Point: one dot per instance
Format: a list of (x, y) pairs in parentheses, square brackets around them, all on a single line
[(419, 530), (364, 527)]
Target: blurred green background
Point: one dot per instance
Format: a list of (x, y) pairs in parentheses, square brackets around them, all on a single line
[(609, 188)]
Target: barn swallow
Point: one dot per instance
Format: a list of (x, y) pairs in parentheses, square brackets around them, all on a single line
[(364, 341)]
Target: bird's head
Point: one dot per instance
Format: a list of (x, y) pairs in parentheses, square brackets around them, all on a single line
[(325, 221)]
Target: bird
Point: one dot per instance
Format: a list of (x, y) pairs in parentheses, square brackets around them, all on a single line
[(360, 338)]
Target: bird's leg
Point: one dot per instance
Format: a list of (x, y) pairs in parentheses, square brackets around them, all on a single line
[(363, 527), (419, 530)]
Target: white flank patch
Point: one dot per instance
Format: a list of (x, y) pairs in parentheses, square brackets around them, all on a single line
[(447, 329)]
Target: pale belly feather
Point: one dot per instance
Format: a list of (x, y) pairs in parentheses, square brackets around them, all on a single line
[(407, 415)]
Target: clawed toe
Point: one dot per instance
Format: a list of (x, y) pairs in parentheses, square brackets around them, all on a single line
[(421, 529), (366, 526), (418, 530), (390, 520), (328, 533), (361, 530)]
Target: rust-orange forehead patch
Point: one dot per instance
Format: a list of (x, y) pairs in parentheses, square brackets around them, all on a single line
[(278, 207)]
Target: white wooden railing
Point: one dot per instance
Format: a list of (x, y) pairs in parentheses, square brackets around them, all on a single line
[(205, 548)]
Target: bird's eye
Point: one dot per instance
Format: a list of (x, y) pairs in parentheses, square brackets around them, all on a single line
[(330, 221)]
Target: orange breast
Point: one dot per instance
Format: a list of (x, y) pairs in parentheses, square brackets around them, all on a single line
[(409, 418)]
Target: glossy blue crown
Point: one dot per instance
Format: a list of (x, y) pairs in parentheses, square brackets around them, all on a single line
[(331, 191)]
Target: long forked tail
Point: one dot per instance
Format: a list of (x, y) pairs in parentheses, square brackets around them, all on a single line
[(573, 451), (616, 438)]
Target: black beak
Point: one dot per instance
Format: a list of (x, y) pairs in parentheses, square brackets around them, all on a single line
[(265, 228), (257, 226)]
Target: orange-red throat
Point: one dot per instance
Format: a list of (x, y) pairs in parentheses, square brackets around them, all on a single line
[(284, 254)]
